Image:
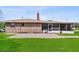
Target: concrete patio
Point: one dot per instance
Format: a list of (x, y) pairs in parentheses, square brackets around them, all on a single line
[(30, 35)]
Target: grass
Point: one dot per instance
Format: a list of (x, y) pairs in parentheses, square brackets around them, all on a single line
[(3, 35), (38, 44), (76, 33), (77, 28)]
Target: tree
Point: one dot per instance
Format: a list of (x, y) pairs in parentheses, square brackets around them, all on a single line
[(2, 24)]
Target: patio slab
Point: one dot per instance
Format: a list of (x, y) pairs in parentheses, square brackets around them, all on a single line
[(30, 35)]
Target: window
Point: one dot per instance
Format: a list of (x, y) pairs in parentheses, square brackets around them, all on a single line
[(22, 24), (12, 25)]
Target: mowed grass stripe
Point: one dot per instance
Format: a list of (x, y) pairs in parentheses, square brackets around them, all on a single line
[(39, 45)]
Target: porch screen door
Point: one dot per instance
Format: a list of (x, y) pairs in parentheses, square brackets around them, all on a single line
[(50, 27)]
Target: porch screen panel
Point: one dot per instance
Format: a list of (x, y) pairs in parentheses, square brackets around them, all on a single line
[(56, 27), (44, 26)]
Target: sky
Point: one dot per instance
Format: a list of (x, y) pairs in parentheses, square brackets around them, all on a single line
[(58, 13)]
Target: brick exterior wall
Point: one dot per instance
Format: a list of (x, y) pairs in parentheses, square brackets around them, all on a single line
[(28, 28)]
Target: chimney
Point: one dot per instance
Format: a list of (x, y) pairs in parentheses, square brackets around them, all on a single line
[(38, 18)]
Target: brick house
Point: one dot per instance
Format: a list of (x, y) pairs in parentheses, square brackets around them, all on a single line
[(38, 26)]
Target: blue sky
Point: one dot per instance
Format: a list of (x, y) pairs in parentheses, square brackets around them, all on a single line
[(59, 13)]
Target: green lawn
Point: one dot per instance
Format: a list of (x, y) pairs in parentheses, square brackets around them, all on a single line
[(77, 28), (76, 33), (37, 44), (4, 35)]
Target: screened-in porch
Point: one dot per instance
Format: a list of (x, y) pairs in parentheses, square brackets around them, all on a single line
[(56, 27)]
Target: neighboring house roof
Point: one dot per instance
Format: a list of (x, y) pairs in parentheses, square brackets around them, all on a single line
[(34, 21)]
